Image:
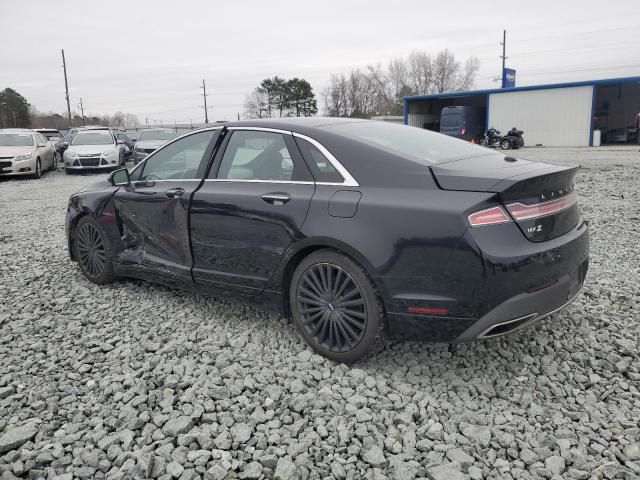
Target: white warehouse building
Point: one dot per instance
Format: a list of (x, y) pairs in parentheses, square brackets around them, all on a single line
[(561, 114)]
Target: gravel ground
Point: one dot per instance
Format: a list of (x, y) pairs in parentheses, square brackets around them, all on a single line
[(139, 381)]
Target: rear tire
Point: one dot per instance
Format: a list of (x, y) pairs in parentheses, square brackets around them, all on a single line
[(93, 252), (336, 307)]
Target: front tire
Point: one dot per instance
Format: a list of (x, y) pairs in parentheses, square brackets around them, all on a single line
[(93, 252), (336, 308), (505, 144), (38, 173)]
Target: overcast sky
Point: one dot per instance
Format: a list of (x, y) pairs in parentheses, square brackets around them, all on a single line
[(149, 57)]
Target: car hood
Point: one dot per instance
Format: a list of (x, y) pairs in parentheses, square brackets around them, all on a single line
[(14, 151), (89, 149), (148, 144)]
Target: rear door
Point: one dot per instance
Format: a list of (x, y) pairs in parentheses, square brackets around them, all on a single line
[(154, 210), (249, 209)]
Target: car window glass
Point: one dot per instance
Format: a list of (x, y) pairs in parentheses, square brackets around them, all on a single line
[(321, 168), (256, 155), (179, 159)]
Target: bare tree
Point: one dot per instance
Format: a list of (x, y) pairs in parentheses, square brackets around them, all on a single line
[(256, 104)]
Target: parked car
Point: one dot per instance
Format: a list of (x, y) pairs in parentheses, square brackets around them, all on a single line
[(126, 140), (463, 122), (150, 140), (356, 229), (618, 135), (25, 152), (51, 134), (93, 149)]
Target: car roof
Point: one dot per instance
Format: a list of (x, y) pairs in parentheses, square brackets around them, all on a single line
[(293, 123), (163, 129)]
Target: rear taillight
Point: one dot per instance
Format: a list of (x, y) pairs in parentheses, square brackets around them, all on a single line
[(463, 130), (520, 211), (490, 216)]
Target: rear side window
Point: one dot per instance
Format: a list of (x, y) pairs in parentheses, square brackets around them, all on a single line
[(321, 168)]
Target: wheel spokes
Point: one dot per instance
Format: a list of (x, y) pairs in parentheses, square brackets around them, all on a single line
[(331, 306)]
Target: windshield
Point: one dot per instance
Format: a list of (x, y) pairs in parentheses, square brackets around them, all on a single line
[(156, 135), (16, 140), (93, 138), (420, 144)]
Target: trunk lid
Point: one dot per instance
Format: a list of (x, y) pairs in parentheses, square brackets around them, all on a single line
[(538, 196)]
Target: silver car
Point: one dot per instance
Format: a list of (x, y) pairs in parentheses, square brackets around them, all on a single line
[(93, 149), (150, 140), (25, 152)]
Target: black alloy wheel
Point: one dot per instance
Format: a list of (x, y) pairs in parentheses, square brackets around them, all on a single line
[(335, 307), (93, 252)]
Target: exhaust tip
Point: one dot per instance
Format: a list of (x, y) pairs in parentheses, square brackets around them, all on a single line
[(509, 326)]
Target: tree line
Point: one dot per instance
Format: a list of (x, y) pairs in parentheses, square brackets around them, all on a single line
[(17, 112), (379, 90), (278, 97)]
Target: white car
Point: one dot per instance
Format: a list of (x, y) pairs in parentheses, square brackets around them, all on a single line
[(25, 152), (94, 150)]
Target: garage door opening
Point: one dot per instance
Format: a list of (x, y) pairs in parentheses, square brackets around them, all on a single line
[(617, 113), (426, 113)]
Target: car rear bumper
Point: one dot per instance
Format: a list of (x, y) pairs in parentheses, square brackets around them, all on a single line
[(518, 283)]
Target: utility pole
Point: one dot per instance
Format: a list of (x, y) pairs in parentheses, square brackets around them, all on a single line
[(81, 110), (66, 87), (147, 121), (204, 95), (504, 55), (238, 116)]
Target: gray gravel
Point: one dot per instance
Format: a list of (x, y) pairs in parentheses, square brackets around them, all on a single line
[(138, 381)]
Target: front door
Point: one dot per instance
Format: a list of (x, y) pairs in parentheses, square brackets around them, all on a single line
[(249, 209), (154, 210)]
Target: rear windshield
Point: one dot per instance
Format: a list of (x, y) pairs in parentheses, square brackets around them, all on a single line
[(417, 143), (16, 140), (93, 138), (452, 119), (52, 135)]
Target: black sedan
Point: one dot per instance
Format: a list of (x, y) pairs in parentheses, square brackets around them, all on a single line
[(357, 230)]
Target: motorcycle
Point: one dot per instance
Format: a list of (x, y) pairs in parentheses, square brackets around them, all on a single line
[(493, 139), (514, 136)]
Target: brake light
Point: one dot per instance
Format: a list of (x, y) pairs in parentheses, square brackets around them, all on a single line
[(463, 130), (520, 211), (489, 216)]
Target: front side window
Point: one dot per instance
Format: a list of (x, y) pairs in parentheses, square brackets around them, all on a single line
[(179, 159), (321, 168), (256, 155)]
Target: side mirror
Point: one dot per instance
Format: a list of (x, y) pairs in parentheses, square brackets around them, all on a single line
[(120, 178), (119, 142)]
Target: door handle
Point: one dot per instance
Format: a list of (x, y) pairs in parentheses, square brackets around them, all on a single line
[(174, 192), (144, 183), (276, 198)]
